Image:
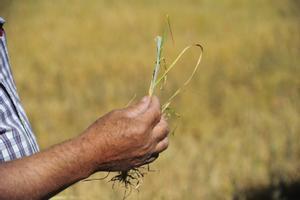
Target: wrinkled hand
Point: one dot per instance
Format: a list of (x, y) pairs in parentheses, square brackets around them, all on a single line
[(129, 137)]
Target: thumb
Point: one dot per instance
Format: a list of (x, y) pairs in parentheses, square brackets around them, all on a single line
[(140, 107)]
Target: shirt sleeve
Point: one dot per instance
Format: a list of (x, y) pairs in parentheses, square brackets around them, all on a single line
[(16, 136)]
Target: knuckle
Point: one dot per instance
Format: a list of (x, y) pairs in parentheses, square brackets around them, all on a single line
[(157, 114), (165, 125), (163, 145), (167, 130), (166, 143)]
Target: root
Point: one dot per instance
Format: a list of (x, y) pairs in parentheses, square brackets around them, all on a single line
[(131, 179)]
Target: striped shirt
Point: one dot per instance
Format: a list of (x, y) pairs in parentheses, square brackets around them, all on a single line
[(16, 137)]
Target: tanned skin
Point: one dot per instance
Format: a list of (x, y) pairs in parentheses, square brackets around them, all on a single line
[(118, 141)]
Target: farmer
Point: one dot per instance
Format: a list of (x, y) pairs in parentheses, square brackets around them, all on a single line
[(118, 141)]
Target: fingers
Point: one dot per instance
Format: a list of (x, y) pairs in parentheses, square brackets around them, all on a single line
[(148, 109), (160, 139), (139, 108), (153, 114), (161, 130), (162, 145), (160, 134)]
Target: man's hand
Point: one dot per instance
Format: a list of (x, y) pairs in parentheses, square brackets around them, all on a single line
[(118, 141), (127, 138)]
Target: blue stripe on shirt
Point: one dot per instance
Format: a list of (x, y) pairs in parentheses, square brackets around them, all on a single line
[(16, 136)]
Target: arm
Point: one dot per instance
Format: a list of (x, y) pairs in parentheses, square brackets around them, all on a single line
[(120, 140)]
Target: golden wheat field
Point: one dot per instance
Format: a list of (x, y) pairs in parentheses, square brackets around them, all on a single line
[(73, 61)]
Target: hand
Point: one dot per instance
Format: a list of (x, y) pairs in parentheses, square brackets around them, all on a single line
[(129, 137)]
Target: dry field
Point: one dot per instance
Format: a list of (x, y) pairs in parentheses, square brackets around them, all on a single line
[(240, 128)]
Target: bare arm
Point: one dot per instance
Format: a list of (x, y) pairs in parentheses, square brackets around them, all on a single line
[(118, 141)]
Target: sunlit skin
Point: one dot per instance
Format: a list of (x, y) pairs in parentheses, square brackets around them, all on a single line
[(118, 141)]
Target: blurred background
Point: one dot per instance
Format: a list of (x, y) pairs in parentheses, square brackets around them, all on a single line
[(239, 132)]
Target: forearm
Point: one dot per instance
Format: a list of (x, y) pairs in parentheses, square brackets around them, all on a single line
[(118, 141), (44, 174)]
